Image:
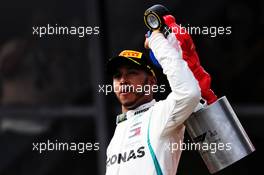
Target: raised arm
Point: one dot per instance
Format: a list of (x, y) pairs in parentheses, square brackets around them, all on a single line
[(185, 94)]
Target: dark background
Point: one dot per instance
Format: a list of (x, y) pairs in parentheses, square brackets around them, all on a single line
[(49, 85)]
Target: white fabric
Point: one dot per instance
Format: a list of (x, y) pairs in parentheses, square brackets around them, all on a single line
[(129, 152)]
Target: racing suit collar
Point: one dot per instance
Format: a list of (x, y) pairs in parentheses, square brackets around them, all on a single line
[(131, 113), (142, 108)]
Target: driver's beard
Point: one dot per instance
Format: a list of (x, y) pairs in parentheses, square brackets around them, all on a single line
[(140, 95)]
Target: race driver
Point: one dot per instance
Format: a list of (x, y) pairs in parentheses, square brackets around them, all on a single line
[(146, 129)]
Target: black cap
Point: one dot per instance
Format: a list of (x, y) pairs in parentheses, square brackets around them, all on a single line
[(130, 57)]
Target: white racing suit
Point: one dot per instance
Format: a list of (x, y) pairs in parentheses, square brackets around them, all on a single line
[(143, 139)]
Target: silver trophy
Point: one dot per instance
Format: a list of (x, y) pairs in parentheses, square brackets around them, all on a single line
[(216, 124)]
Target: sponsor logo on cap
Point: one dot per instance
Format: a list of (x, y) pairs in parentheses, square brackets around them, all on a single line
[(131, 54)]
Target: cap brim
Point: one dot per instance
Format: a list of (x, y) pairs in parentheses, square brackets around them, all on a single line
[(115, 62)]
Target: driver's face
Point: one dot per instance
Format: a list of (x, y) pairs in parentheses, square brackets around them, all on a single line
[(125, 81)]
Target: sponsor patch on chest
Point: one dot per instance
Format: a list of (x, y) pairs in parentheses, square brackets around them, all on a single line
[(126, 156), (135, 127)]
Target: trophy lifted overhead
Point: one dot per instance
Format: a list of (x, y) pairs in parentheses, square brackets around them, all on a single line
[(216, 123), (158, 17)]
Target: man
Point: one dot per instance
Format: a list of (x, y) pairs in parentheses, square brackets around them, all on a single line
[(146, 129)]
